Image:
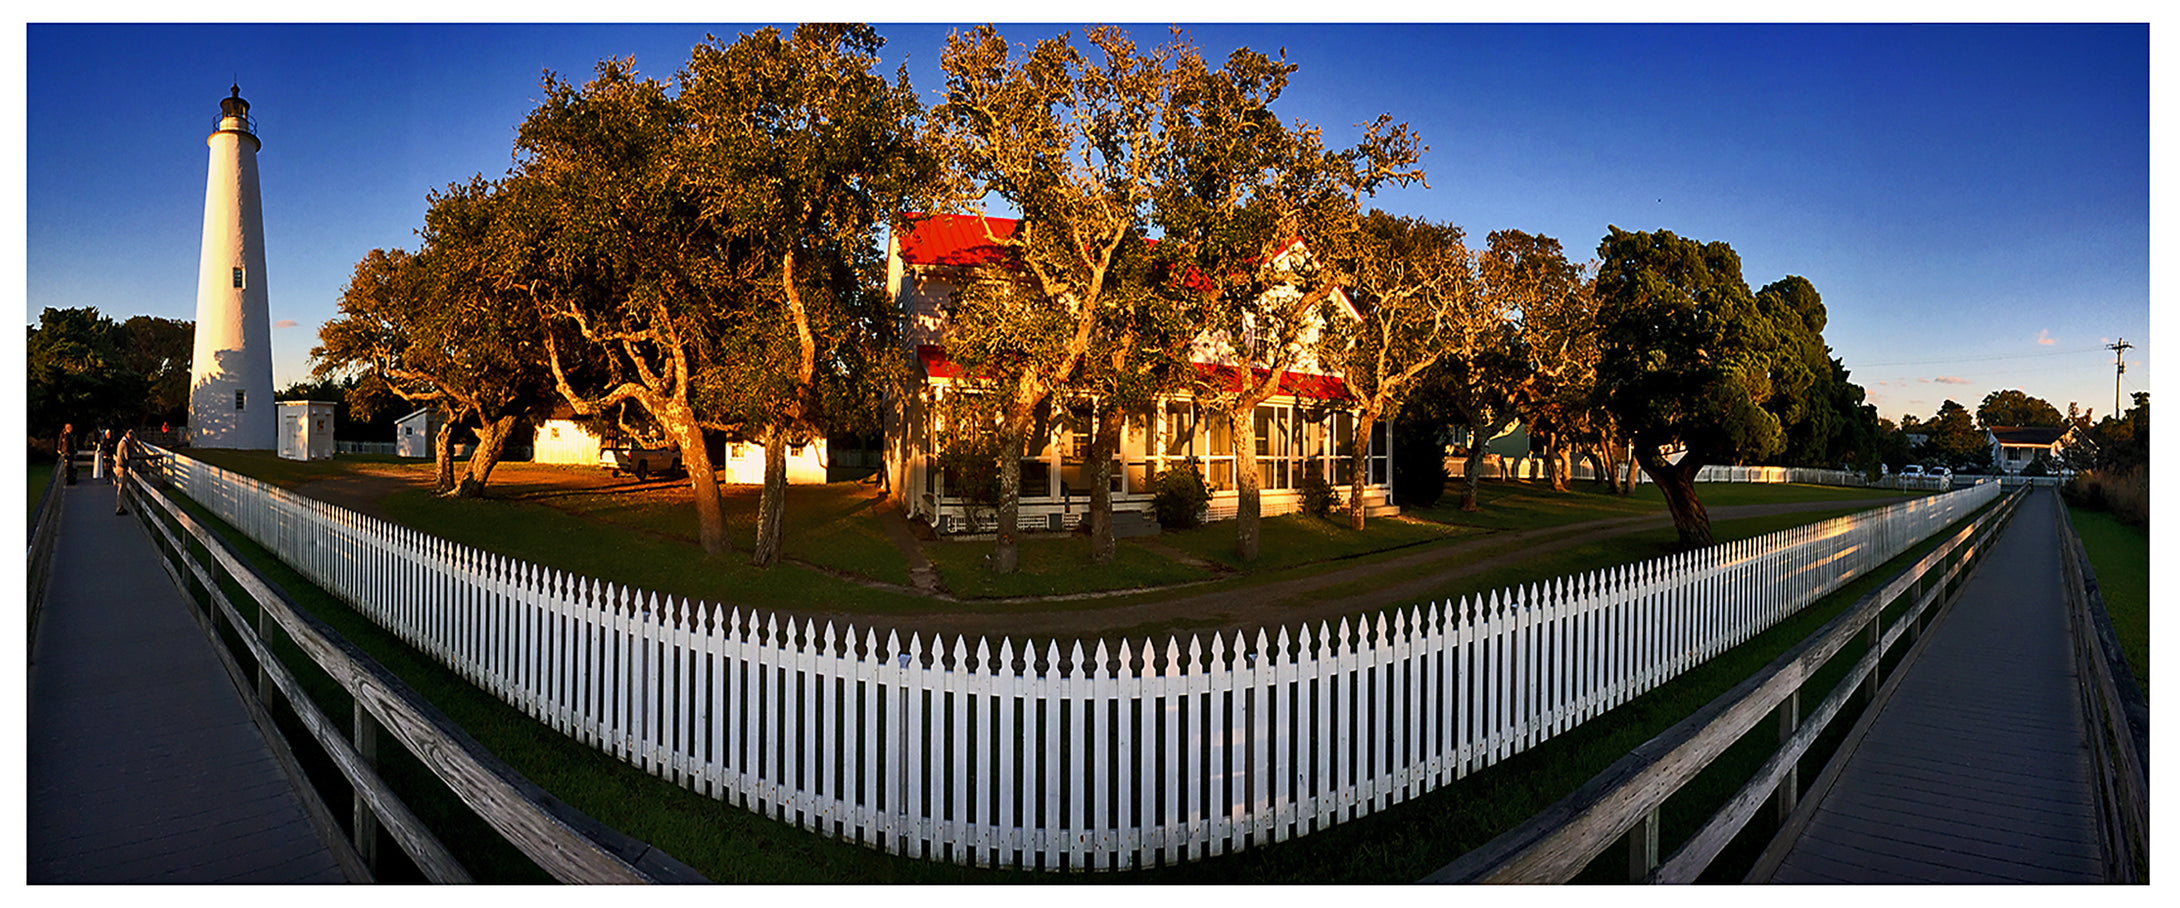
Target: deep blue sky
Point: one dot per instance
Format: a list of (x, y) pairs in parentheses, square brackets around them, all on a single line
[(1972, 201)]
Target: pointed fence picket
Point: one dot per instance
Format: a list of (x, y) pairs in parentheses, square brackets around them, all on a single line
[(1017, 756)]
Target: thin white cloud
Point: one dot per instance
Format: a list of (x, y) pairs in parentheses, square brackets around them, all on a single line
[(285, 323), (1949, 380), (2044, 338)]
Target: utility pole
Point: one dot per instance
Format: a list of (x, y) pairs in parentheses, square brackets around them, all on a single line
[(2120, 367)]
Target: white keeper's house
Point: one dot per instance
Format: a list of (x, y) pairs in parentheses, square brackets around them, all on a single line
[(2013, 448), (1309, 426)]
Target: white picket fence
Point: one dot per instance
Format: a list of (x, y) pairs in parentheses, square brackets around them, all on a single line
[(1024, 756)]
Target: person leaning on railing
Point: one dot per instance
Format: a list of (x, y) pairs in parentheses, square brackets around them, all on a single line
[(123, 451)]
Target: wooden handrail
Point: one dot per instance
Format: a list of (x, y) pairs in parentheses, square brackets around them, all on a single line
[(44, 532), (2113, 707), (1559, 841), (568, 844)]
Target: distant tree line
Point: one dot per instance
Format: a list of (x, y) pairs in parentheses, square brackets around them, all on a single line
[(85, 369)]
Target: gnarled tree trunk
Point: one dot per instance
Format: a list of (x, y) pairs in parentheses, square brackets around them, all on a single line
[(491, 443), (1677, 482), (1248, 509), (1359, 470), (772, 502), (1006, 557), (443, 457), (1103, 446)]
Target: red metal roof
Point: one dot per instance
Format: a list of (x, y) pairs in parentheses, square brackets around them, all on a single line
[(1298, 384), (953, 239)]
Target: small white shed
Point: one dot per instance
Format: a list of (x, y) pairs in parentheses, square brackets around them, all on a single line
[(413, 433), (745, 463), (560, 439), (306, 430)]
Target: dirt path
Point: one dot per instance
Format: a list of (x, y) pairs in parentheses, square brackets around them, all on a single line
[(1430, 573), (360, 491)]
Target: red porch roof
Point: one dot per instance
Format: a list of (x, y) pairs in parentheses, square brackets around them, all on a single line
[(953, 239), (1297, 384)]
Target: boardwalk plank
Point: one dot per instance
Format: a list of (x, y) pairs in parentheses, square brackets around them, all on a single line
[(1976, 770), (142, 763)]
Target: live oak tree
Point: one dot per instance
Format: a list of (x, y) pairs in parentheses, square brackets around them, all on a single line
[(437, 327), (1243, 198), (1691, 359), (2013, 407), (1073, 141), (610, 243), (1954, 438), (794, 149), (1555, 318), (1410, 280)]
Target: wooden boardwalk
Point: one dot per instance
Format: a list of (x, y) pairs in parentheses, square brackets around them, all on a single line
[(143, 762), (1976, 768)]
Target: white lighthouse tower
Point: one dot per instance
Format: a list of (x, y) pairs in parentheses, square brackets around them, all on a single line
[(230, 377)]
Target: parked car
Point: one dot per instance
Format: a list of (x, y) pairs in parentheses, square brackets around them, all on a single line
[(1911, 471), (641, 457), (1945, 473)]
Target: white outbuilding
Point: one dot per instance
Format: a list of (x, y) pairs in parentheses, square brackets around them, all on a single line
[(306, 430), (413, 434)]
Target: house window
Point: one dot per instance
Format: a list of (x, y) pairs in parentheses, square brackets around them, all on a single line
[(238, 280), (238, 398), (556, 433)]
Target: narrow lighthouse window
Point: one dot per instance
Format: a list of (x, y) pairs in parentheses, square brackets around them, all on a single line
[(238, 398), (238, 278)]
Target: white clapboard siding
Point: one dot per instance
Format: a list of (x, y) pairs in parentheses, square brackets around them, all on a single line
[(1019, 756)]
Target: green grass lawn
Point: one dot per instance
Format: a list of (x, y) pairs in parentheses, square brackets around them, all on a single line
[(1627, 548), (267, 467), (730, 844), (645, 547), (41, 473), (1524, 505), (1055, 565), (2121, 556)]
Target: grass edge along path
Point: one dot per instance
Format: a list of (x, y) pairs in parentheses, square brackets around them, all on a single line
[(732, 844)]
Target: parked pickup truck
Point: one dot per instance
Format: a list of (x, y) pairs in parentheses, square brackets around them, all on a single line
[(642, 458)]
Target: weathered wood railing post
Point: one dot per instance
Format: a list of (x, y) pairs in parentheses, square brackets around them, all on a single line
[(1790, 718), (1873, 637), (265, 692), (364, 828), (1642, 847)]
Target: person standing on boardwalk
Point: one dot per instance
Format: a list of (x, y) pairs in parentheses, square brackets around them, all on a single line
[(68, 452), (122, 450)]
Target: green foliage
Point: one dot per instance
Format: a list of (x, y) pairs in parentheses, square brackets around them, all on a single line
[(2121, 443), (1181, 497), (970, 470), (1690, 355), (83, 368), (2015, 408), (1954, 440), (1319, 498)]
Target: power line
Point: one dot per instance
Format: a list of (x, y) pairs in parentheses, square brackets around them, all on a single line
[(1979, 359)]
